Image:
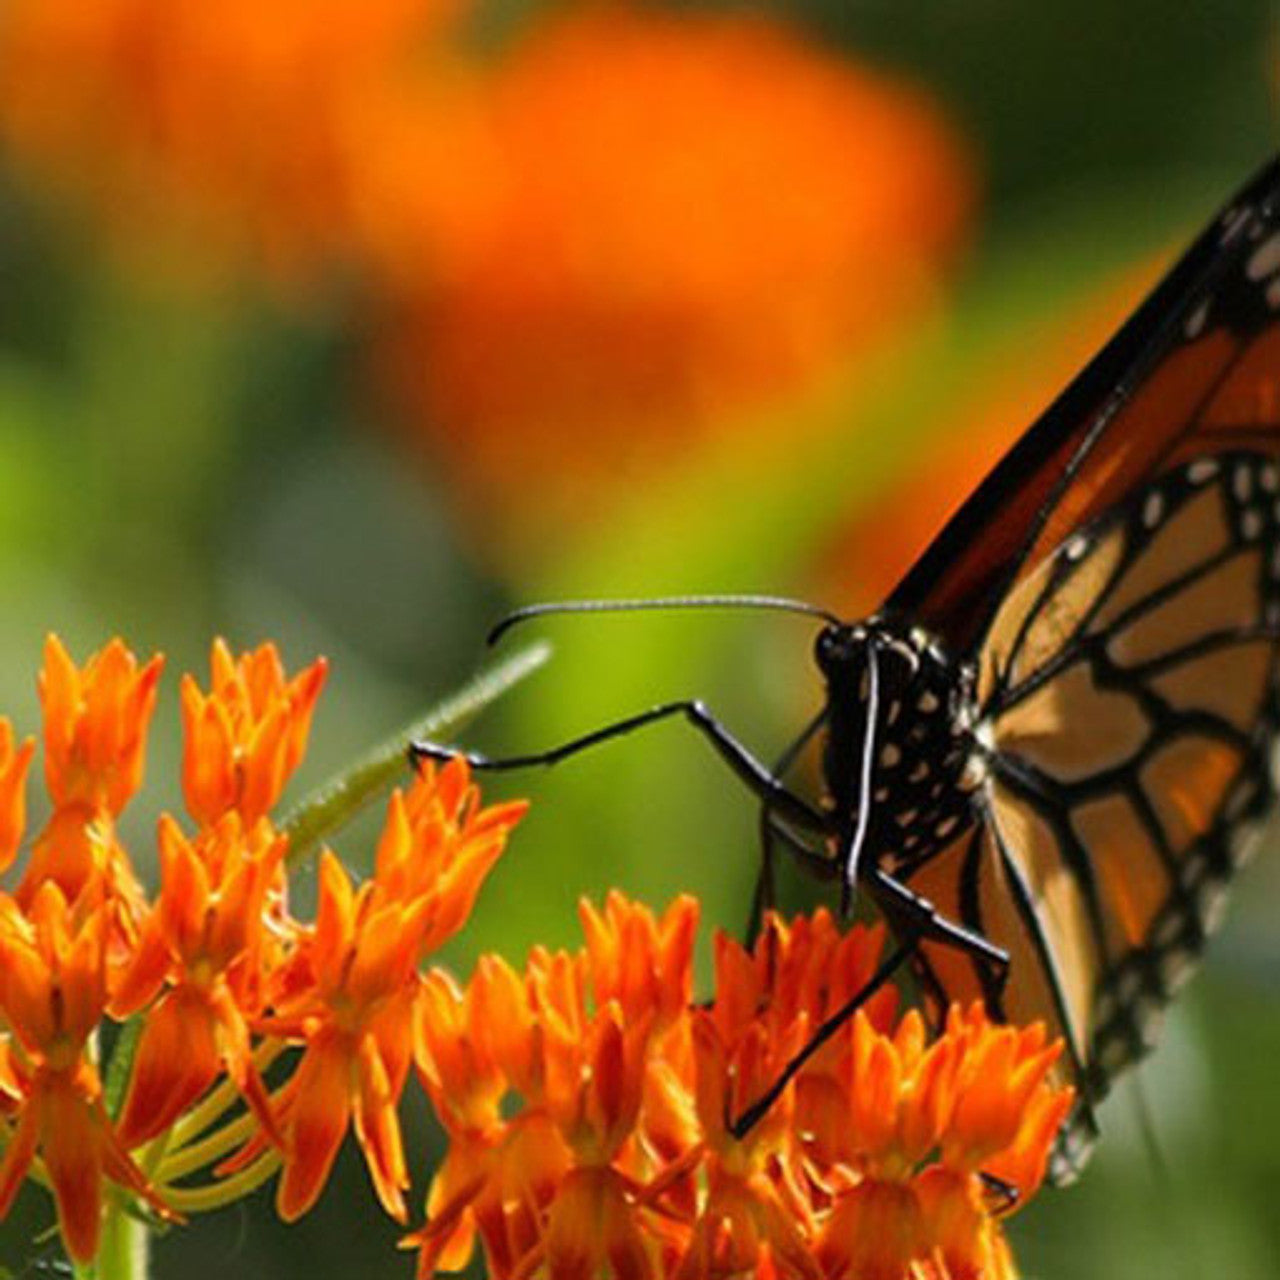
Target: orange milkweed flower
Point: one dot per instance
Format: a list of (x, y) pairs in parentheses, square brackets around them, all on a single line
[(571, 1037), (202, 945), (932, 1125), (53, 992), (96, 719), (675, 218), (769, 1001), (884, 1159), (461, 1068), (246, 736), (348, 991)]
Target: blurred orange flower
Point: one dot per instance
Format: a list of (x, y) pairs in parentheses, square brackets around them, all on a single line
[(689, 215), (586, 255), (224, 122)]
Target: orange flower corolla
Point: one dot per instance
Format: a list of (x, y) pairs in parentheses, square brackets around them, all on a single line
[(937, 1132), (227, 121), (693, 215), (246, 736), (573, 1037), (349, 988), (96, 719), (53, 991), (202, 945), (890, 1156)]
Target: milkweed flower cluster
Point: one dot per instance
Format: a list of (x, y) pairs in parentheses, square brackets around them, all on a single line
[(212, 969), (890, 1157), (587, 1097)]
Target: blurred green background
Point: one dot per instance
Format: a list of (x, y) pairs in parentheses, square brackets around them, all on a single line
[(202, 433)]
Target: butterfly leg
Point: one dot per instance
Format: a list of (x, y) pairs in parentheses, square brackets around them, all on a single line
[(765, 894), (760, 1107), (764, 784), (913, 920)]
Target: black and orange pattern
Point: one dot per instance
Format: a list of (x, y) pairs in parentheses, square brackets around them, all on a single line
[(1056, 737), (1126, 715), (1113, 593)]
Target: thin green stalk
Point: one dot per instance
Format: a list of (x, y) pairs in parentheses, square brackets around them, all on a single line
[(334, 804), (204, 1151), (217, 1195), (122, 1253)]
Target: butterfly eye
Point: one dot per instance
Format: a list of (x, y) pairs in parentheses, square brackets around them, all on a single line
[(828, 651)]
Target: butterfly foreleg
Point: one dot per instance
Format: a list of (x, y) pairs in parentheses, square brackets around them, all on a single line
[(756, 776)]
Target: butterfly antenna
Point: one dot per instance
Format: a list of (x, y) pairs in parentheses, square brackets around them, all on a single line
[(781, 604)]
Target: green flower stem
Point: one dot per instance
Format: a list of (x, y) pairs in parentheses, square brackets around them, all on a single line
[(122, 1253), (335, 803)]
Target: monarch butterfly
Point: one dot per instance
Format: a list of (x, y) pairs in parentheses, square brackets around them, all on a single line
[(1049, 749)]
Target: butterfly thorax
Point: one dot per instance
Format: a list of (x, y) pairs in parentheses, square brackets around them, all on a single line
[(898, 740)]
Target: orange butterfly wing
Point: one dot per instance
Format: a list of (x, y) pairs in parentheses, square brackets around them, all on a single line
[(1199, 361), (1116, 584)]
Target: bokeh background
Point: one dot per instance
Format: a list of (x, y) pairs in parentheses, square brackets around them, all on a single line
[(353, 323)]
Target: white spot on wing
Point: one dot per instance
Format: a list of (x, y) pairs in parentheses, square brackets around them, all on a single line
[(1202, 469), (1233, 220), (1153, 509), (1196, 320), (1265, 259)]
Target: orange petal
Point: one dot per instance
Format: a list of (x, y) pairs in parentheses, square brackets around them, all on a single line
[(316, 1124), (176, 1061), (378, 1131), (72, 1149), (592, 1224)]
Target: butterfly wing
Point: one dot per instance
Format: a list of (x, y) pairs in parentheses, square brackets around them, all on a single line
[(1126, 725), (1114, 581), (1198, 361)]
